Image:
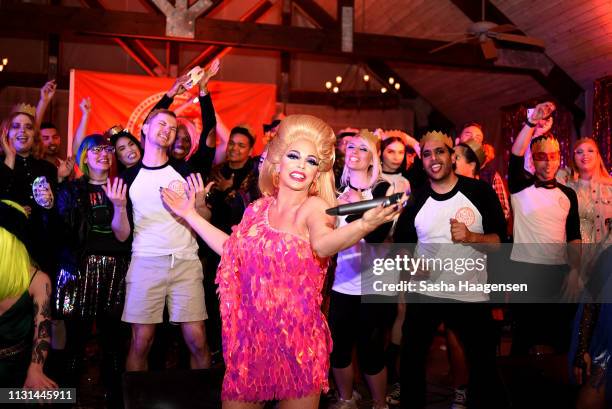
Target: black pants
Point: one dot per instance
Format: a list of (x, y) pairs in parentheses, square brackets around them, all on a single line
[(473, 325), (538, 316), (113, 336), (363, 324)]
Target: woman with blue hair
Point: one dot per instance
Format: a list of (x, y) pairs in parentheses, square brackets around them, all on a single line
[(93, 263)]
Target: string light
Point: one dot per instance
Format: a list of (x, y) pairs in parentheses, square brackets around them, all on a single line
[(5, 61), (383, 90), (339, 79), (328, 85), (397, 85), (335, 90), (366, 78), (391, 80)]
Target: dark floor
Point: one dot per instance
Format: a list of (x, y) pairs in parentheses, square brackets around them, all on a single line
[(538, 382)]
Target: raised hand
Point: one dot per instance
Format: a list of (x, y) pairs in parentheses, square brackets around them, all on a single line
[(8, 147), (178, 87), (48, 91), (195, 183), (85, 105), (116, 192), (210, 72), (178, 204), (542, 111)]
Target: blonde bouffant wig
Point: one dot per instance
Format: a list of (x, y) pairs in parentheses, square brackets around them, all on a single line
[(310, 128)]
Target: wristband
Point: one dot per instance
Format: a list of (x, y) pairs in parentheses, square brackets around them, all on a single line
[(529, 124), (203, 92)]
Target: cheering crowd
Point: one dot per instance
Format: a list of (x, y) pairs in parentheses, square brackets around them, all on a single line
[(238, 251)]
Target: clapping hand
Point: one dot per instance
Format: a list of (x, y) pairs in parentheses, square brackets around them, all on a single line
[(195, 183), (210, 72), (65, 168), (179, 86), (179, 204), (7, 146), (116, 192)]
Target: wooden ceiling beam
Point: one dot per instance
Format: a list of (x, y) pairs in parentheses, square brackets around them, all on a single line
[(378, 67), (60, 19), (557, 82), (212, 52)]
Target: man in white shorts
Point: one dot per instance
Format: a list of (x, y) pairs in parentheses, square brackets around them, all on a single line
[(165, 267)]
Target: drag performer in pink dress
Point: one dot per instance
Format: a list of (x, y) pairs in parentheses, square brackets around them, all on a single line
[(276, 343)]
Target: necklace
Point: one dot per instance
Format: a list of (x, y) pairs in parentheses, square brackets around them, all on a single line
[(358, 190), (97, 182)]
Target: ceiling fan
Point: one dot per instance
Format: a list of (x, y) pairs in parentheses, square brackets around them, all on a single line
[(484, 32)]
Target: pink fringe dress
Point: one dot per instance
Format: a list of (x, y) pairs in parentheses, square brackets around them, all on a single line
[(276, 342)]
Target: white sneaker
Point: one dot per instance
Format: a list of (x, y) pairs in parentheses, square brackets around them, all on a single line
[(344, 404), (347, 403)]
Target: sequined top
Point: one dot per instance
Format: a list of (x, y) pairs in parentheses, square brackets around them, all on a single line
[(276, 342), (594, 207)]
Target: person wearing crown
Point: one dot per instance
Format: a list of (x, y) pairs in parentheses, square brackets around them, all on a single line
[(452, 218), (28, 179), (545, 221)]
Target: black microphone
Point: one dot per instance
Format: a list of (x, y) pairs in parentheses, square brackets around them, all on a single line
[(360, 207)]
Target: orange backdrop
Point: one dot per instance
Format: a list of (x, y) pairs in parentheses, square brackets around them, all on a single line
[(127, 99)]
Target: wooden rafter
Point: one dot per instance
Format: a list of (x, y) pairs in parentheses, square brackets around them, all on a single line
[(46, 19), (212, 52), (556, 81)]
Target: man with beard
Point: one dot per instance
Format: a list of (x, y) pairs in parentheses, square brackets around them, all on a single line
[(165, 263), (51, 140), (546, 239), (227, 209), (451, 218)]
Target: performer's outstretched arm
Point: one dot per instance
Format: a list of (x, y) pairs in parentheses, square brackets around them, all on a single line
[(185, 208), (327, 241)]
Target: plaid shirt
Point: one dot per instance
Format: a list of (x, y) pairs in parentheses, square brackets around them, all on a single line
[(500, 189)]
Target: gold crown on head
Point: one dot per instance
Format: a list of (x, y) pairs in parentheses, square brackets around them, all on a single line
[(24, 109), (549, 142), (369, 136), (436, 136), (395, 133), (115, 129)]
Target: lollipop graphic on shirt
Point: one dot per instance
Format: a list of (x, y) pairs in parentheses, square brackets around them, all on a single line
[(43, 195)]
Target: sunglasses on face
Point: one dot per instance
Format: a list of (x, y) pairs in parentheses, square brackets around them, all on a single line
[(546, 156), (106, 148)]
